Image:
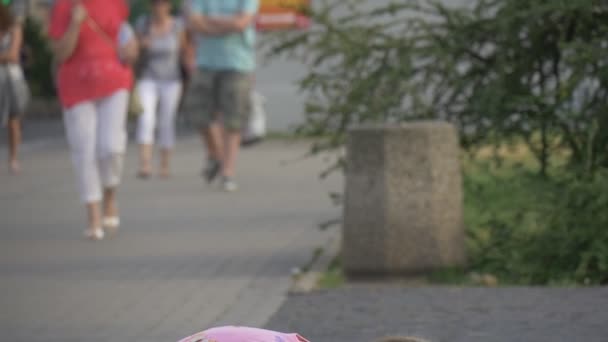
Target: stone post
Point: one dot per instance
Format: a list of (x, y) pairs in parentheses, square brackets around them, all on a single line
[(403, 210)]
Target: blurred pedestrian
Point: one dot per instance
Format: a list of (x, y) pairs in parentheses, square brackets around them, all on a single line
[(163, 42), (93, 81), (223, 83), (14, 92)]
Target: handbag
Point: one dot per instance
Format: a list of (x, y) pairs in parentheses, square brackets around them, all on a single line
[(135, 107), (255, 129), (18, 94)]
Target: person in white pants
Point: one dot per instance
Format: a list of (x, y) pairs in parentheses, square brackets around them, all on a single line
[(160, 100), (97, 136), (92, 82), (163, 41)]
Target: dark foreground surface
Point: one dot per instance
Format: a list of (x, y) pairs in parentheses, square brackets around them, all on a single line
[(365, 313)]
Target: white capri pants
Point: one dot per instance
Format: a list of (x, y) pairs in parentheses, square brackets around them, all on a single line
[(159, 99), (96, 132)]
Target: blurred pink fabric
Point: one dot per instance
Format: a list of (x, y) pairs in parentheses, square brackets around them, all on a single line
[(242, 334)]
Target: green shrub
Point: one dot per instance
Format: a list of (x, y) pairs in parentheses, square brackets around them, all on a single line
[(573, 246), (527, 229), (502, 71), (507, 73)]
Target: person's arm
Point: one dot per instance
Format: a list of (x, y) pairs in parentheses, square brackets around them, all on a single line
[(13, 53), (142, 32), (233, 24), (184, 42), (130, 51), (63, 47), (196, 19), (187, 53), (202, 24), (128, 48), (239, 22)]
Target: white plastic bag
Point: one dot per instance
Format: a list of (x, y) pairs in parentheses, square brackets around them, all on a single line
[(255, 130)]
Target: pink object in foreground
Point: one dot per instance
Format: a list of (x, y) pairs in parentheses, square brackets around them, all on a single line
[(242, 334)]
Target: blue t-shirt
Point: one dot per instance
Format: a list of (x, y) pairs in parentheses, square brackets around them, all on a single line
[(234, 51)]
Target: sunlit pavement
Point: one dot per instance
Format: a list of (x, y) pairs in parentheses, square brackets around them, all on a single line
[(188, 256)]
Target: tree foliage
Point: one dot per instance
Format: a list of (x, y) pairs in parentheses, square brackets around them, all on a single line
[(503, 71), (506, 72)]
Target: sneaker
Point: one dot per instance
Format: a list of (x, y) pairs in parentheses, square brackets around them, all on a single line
[(251, 142), (212, 170), (229, 185)]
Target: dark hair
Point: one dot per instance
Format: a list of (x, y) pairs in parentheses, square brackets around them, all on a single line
[(6, 18)]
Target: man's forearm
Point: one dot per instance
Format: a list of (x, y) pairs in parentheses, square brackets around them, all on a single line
[(203, 25), (215, 26), (226, 25), (230, 24)]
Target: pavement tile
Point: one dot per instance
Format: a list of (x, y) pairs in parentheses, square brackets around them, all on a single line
[(188, 256)]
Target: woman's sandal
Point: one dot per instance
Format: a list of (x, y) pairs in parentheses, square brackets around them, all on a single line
[(144, 174), (111, 224), (95, 234), (15, 167), (164, 174)]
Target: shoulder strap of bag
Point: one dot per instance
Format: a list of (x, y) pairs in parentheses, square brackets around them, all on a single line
[(95, 27)]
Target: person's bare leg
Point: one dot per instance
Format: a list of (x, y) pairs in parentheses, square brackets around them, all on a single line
[(14, 140), (233, 143), (165, 161), (110, 209), (94, 230), (111, 220), (145, 161), (213, 139)]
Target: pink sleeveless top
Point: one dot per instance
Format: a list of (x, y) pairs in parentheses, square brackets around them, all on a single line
[(94, 69), (242, 334)]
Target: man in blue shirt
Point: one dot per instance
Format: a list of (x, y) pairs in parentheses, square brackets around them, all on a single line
[(226, 62)]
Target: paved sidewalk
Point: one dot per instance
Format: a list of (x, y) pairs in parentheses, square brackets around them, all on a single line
[(448, 314), (188, 257), (36, 134)]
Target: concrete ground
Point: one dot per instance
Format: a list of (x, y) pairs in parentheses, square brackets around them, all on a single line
[(188, 256), (366, 313)]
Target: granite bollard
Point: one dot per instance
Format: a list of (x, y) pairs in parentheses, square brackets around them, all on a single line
[(403, 210)]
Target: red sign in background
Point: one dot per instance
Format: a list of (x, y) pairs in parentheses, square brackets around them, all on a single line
[(283, 15)]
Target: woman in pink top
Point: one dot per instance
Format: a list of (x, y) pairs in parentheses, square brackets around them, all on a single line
[(93, 81), (242, 334)]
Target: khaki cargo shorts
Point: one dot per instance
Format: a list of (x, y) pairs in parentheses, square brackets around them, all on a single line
[(226, 93)]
